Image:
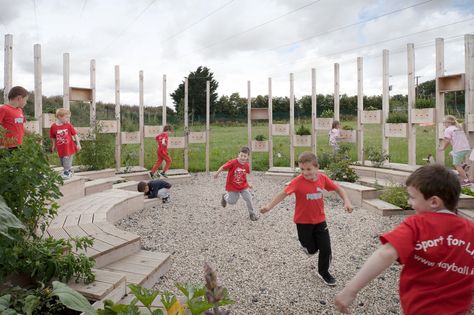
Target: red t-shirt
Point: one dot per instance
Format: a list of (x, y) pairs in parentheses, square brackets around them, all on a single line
[(437, 253), (63, 135), (162, 140), (309, 207), (12, 119), (237, 175)]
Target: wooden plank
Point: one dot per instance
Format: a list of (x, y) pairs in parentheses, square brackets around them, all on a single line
[(110, 229)]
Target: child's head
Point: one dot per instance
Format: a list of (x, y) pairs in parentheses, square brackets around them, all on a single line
[(336, 124), (143, 187), (450, 120), (166, 128), (243, 154), (433, 187), (18, 96), (63, 114), (308, 164)]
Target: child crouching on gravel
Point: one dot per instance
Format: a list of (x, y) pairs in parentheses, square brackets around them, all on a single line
[(155, 189)]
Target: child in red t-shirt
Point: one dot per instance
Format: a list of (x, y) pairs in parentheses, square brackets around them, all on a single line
[(162, 152), (236, 183), (435, 247), (63, 133), (309, 216), (12, 118)]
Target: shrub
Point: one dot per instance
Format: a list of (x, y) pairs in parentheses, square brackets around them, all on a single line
[(98, 153), (397, 118), (347, 127), (341, 171), (425, 103), (324, 159), (377, 156), (396, 195), (467, 191), (260, 138), (303, 131), (328, 113)]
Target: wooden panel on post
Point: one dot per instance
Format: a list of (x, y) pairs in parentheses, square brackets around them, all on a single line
[(323, 123), (470, 122), (451, 83), (153, 131), (48, 120), (302, 141), (176, 142), (32, 126), (197, 137), (259, 113), (85, 133), (260, 146), (348, 136), (422, 115), (371, 117), (280, 129), (396, 130), (80, 94), (107, 126), (130, 137)]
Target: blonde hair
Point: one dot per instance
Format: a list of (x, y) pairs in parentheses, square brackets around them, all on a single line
[(451, 120), (61, 112)]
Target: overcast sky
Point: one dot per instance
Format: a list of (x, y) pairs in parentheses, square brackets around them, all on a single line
[(239, 40)]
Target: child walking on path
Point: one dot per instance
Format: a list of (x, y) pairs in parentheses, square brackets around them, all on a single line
[(335, 136), (63, 133), (162, 152), (12, 118), (155, 189), (435, 247), (454, 135), (309, 216), (236, 184)]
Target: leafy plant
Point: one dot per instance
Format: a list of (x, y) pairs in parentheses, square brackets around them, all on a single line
[(97, 153), (130, 159), (396, 195), (341, 171), (397, 118), (324, 159), (376, 155), (260, 138), (303, 131), (467, 191), (347, 127), (328, 113)]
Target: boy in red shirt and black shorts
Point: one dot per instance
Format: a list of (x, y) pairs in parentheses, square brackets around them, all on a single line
[(12, 118), (309, 216), (236, 183), (435, 247)]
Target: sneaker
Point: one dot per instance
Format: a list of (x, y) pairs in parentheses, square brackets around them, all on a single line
[(253, 217), (327, 278), (166, 199), (163, 174), (152, 175), (223, 201)]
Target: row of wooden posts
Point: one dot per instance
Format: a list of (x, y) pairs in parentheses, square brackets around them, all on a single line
[(444, 84)]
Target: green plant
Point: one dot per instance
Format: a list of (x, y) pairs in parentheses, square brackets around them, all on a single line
[(467, 191), (324, 159), (341, 171), (260, 138), (397, 118), (376, 155), (303, 131), (396, 195), (328, 113), (347, 127), (97, 153), (130, 159)]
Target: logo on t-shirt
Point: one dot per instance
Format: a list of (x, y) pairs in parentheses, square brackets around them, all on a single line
[(19, 120), (61, 136), (239, 175), (316, 195)]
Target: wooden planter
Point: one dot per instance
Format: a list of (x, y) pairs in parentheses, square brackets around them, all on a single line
[(197, 137), (153, 131), (107, 126), (130, 137), (371, 117), (422, 115), (176, 142), (32, 126), (280, 129), (396, 130), (302, 141), (85, 133), (323, 123), (348, 136), (260, 146)]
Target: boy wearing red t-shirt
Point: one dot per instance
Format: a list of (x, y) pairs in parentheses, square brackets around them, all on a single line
[(309, 216), (63, 133), (162, 152), (12, 118), (236, 183), (435, 247)]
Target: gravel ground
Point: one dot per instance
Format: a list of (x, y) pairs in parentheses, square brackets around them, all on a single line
[(261, 262)]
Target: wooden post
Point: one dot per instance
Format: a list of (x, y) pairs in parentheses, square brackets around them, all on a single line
[(313, 111), (141, 119), (208, 129), (469, 80), (249, 123), (163, 117), (8, 66), (411, 131), (360, 109), (270, 124), (38, 87), (292, 122), (66, 80), (186, 130), (118, 135), (336, 92), (93, 88), (439, 97), (385, 99)]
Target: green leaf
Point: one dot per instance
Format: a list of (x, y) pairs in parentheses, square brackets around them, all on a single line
[(157, 312), (31, 303), (144, 295), (5, 300), (8, 219), (168, 299), (9, 312), (198, 305), (71, 298)]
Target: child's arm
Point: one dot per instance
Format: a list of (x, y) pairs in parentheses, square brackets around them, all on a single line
[(53, 144), (443, 145), (347, 203), (380, 260), (78, 142), (219, 171), (276, 200)]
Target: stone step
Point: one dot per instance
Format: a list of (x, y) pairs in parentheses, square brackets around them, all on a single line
[(384, 208)]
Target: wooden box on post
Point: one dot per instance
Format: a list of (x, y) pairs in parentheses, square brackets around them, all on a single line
[(280, 129), (130, 137), (259, 113), (451, 83), (348, 136), (260, 146), (197, 137), (80, 94), (371, 117), (422, 115), (152, 131), (32, 126), (176, 142), (398, 130), (323, 123), (107, 126), (302, 141), (85, 133)]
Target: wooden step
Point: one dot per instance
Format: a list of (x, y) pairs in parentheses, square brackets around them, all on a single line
[(143, 267), (91, 175), (374, 182), (128, 185), (384, 208), (466, 213), (466, 202), (357, 193), (101, 184), (137, 176), (105, 283), (178, 178), (72, 189)]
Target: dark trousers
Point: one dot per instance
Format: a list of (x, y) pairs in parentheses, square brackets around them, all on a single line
[(314, 237)]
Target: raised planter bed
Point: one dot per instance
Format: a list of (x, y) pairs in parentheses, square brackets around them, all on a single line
[(384, 208), (396, 130)]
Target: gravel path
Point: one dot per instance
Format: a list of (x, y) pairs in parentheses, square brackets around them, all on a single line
[(261, 262)]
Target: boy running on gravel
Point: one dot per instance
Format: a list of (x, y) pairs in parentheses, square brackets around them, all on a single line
[(236, 183), (435, 247), (309, 216)]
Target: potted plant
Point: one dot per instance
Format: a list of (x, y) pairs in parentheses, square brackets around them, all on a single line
[(260, 144), (396, 125), (302, 137)]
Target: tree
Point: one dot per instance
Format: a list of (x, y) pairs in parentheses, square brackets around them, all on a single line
[(196, 94)]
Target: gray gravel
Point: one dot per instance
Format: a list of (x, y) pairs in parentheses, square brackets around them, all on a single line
[(261, 262)]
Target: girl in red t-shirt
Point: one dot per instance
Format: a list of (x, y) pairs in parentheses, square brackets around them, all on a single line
[(63, 133), (162, 152)]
